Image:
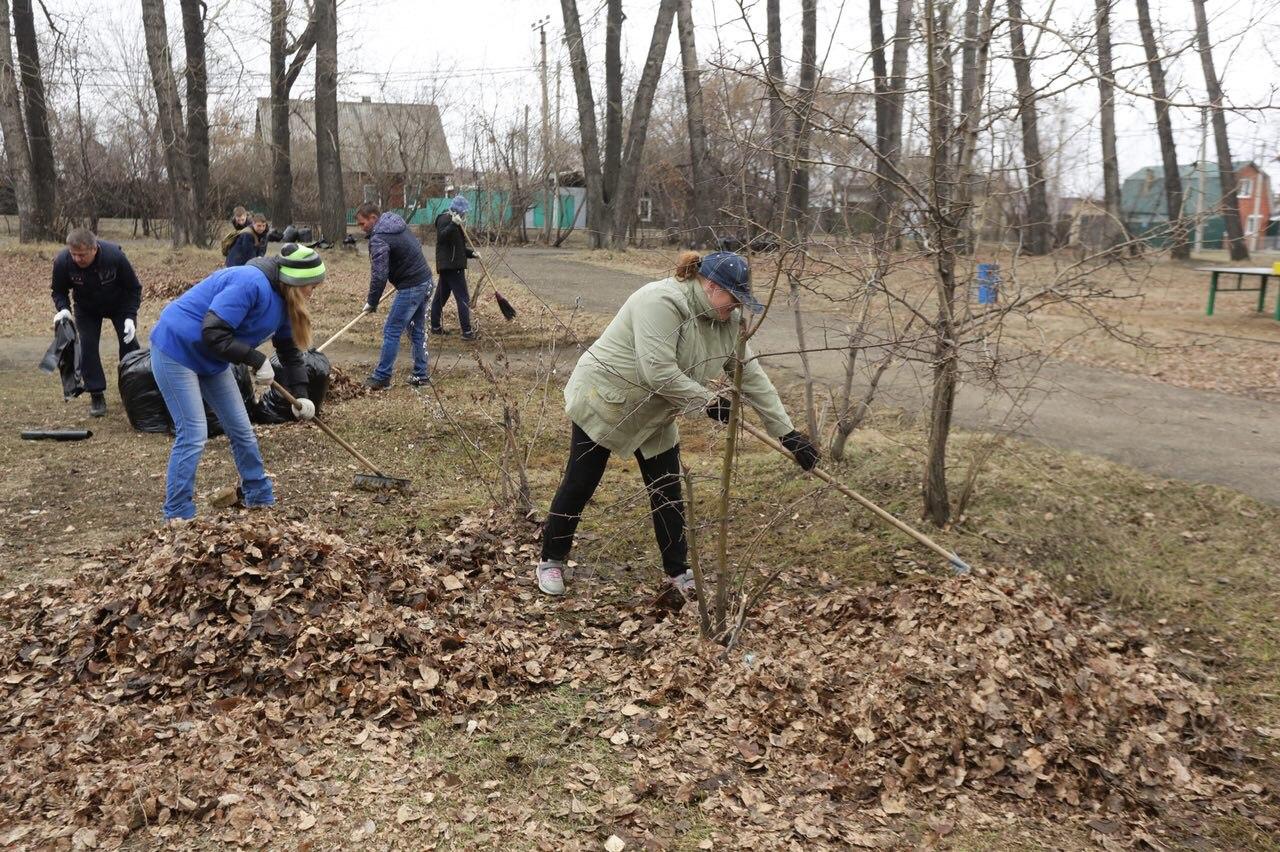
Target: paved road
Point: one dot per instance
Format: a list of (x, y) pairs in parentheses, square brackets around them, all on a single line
[(1175, 432)]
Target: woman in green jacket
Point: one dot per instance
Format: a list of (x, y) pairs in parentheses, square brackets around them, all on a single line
[(651, 364)]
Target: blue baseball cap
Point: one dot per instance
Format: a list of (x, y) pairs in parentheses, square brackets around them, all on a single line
[(731, 272)]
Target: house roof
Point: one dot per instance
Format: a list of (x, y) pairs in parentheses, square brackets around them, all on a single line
[(1142, 193), (374, 137)]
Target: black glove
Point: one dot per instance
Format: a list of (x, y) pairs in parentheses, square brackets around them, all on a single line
[(798, 445), (718, 408)]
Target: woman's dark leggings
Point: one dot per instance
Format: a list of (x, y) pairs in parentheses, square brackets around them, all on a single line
[(587, 461)]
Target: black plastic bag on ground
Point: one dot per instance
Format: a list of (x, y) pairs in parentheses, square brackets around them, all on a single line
[(144, 405), (272, 407)]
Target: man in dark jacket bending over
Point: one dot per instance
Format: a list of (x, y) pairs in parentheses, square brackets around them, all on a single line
[(95, 280), (395, 256)]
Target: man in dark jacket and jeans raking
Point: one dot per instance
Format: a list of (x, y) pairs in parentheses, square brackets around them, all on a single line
[(395, 256), (96, 280), (452, 252)]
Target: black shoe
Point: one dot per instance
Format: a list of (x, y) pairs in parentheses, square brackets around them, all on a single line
[(419, 381), (471, 335), (377, 384), (97, 404), (441, 332)]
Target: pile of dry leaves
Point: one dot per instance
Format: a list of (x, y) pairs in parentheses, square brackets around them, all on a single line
[(343, 386), (196, 674)]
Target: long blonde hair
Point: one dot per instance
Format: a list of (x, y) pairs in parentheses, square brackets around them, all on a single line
[(299, 316)]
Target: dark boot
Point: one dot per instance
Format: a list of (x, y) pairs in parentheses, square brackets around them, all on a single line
[(97, 404), (375, 384)]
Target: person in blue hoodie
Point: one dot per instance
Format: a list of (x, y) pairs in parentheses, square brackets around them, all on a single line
[(219, 322), (395, 256)]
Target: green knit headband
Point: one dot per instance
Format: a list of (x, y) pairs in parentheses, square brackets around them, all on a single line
[(300, 266)]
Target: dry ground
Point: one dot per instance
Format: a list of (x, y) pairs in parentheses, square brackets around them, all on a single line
[(1194, 563)]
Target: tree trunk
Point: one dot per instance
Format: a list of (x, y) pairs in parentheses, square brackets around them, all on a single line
[(1226, 169), (44, 175), (937, 506), (333, 206), (889, 141), (1037, 240), (197, 79), (1107, 121), (282, 80), (701, 198), (15, 133), (777, 116), (798, 199), (624, 205), (169, 119), (589, 138), (973, 80), (880, 88), (612, 99), (1179, 244)]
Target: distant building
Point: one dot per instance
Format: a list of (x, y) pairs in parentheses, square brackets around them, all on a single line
[(395, 155), (1142, 201)]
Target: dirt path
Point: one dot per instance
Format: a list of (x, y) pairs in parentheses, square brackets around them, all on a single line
[(1169, 431)]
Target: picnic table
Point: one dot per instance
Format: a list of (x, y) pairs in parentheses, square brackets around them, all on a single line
[(1263, 273)]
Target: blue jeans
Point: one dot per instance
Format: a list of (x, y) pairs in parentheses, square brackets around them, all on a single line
[(409, 308), (185, 393)]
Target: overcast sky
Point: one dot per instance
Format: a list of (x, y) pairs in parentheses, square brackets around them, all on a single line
[(482, 54)]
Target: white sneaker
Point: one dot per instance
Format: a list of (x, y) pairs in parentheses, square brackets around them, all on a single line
[(551, 577), (685, 584)]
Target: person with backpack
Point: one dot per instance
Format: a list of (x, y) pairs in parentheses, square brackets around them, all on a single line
[(395, 257), (248, 243), (650, 365), (96, 281), (219, 322), (452, 253)]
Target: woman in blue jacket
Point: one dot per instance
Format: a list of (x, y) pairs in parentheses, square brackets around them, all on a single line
[(219, 322)]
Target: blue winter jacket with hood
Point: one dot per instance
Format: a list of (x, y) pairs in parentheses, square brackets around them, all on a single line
[(395, 256)]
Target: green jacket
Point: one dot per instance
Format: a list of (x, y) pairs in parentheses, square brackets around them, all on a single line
[(652, 363)]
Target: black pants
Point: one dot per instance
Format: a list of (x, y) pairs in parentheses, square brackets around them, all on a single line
[(89, 332), (452, 281), (587, 461)]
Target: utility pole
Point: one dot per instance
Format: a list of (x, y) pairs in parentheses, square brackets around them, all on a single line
[(541, 27), (1204, 135), (555, 153)]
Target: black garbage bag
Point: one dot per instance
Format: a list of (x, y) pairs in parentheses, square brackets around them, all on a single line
[(272, 407), (144, 405), (63, 358)]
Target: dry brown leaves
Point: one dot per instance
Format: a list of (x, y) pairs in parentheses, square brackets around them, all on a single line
[(343, 386), (194, 675)]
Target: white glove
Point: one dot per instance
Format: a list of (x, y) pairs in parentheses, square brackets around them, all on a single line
[(265, 374), (130, 331), (368, 308), (61, 315), (304, 410), (458, 218)]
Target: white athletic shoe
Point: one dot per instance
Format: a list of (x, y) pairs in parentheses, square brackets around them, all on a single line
[(551, 577), (685, 584)]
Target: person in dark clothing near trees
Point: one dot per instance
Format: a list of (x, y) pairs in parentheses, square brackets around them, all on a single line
[(95, 281), (250, 242), (452, 252), (395, 256)]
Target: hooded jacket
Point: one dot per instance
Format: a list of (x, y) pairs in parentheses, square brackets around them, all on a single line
[(452, 250), (652, 363), (395, 256)]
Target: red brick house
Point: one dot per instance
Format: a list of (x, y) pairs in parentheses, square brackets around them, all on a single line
[(1253, 189)]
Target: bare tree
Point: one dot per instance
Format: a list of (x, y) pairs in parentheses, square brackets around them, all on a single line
[(1107, 119), (890, 103), (1037, 240), (197, 80), (777, 114), (333, 208), (700, 188), (613, 98), (1179, 244), (15, 133), (44, 175), (169, 121), (1226, 168), (284, 73)]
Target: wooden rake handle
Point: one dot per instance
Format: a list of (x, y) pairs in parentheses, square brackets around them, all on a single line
[(324, 427), (342, 331), (957, 564)]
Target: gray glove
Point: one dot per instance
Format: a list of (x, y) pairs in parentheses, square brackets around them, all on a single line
[(61, 315)]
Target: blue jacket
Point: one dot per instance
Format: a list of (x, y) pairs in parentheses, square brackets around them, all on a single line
[(242, 296), (108, 287), (395, 255), (246, 247)]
